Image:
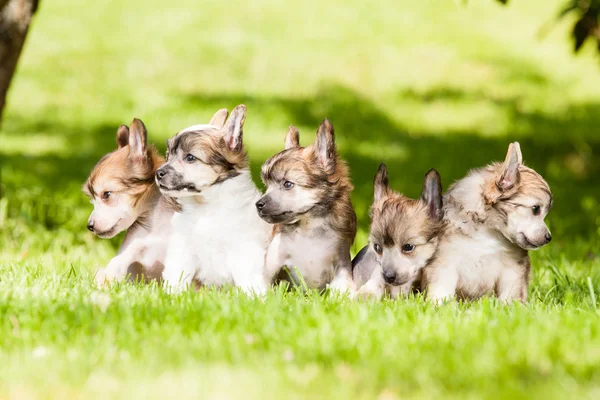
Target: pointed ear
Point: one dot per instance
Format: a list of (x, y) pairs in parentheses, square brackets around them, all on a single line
[(380, 183), (325, 146), (234, 128), (137, 139), (292, 139), (509, 177), (431, 194), (122, 136), (218, 120)]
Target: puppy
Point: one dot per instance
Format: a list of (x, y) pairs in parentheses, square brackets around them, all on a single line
[(308, 201), (494, 215), (121, 187), (218, 239), (403, 238)]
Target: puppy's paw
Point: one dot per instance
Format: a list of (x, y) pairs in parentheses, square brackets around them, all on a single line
[(174, 287), (343, 286), (367, 293), (100, 278), (439, 301)]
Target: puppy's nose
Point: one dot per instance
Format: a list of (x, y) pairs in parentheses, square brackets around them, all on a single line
[(90, 226), (389, 276), (260, 205), (160, 173), (548, 237)]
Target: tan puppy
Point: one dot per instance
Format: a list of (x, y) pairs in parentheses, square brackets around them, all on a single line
[(308, 202), (403, 238), (121, 187), (494, 216)]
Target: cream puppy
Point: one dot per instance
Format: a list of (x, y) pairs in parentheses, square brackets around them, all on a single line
[(494, 216)]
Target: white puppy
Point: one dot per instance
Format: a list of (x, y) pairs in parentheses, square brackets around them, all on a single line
[(218, 238)]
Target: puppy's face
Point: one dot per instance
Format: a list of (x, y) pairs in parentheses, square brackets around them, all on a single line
[(404, 232), (297, 178), (119, 180), (204, 155), (523, 199)]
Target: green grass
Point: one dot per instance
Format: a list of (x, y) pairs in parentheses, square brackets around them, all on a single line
[(416, 84)]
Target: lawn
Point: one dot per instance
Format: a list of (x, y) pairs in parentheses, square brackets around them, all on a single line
[(417, 84)]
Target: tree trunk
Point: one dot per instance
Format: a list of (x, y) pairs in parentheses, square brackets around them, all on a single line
[(15, 17)]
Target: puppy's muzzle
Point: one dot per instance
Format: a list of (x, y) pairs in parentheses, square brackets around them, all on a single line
[(160, 173), (392, 278), (389, 276)]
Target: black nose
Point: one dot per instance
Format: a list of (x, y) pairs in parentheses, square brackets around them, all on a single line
[(160, 173), (260, 205), (90, 226), (548, 237), (389, 276)]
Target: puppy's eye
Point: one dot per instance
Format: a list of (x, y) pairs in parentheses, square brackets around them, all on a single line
[(377, 248), (106, 195), (288, 185), (535, 210), (408, 248), (190, 158)]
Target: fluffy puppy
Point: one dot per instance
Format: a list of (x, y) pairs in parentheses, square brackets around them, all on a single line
[(494, 216), (403, 238), (217, 237), (308, 203), (121, 187)]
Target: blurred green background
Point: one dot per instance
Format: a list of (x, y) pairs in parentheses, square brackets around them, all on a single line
[(415, 84)]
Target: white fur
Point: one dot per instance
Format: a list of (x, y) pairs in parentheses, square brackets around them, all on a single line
[(113, 217), (142, 245), (310, 256), (219, 239), (198, 127)]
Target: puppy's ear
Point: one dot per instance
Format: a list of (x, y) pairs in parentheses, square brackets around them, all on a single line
[(292, 139), (122, 136), (509, 176), (431, 195), (218, 120), (325, 146), (137, 139), (380, 183), (234, 128)]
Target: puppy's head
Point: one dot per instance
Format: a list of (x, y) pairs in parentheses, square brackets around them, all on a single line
[(302, 180), (521, 199), (201, 156), (119, 180), (404, 232)]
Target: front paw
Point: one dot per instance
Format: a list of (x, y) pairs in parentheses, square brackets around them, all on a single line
[(100, 278), (368, 293), (343, 286), (174, 287)]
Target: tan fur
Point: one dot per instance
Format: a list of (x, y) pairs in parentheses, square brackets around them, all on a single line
[(134, 202), (387, 265), (317, 211)]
